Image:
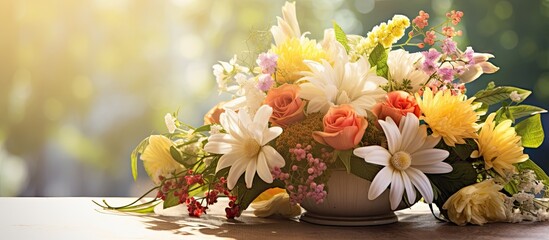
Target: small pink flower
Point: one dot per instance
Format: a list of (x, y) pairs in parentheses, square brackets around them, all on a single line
[(429, 64), (449, 46), (447, 74), (422, 20), (267, 62), (449, 32), (343, 128), (264, 82), (455, 16), (430, 37)]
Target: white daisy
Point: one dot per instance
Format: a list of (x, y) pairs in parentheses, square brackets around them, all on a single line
[(244, 146), (409, 156), (344, 83), (405, 72)]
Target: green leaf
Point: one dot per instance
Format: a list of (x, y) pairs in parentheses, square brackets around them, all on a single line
[(462, 175), (134, 155), (247, 196), (463, 151), (491, 96), (171, 200), (511, 187), (345, 157), (176, 155), (204, 128), (521, 111), (378, 57), (531, 131), (503, 114), (364, 170), (341, 37)]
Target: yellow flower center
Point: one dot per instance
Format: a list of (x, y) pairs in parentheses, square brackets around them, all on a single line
[(251, 148), (401, 160)]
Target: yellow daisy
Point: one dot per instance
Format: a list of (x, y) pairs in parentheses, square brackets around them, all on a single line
[(500, 146), (452, 117), (291, 54)]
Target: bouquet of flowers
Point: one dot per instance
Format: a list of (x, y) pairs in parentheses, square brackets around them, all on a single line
[(401, 120)]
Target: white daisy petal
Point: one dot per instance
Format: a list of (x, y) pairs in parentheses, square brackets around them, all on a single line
[(392, 133), (429, 156), (263, 168), (235, 172), (436, 168), (397, 190), (380, 183), (269, 134), (262, 116), (274, 159), (422, 183), (226, 160), (410, 190), (373, 154), (250, 173), (408, 127)]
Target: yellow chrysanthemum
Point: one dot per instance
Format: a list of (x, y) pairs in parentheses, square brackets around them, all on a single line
[(291, 54), (500, 146), (452, 117), (157, 159), (385, 33)]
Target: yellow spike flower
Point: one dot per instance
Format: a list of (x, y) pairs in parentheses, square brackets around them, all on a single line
[(384, 33), (291, 54), (452, 117), (500, 146)]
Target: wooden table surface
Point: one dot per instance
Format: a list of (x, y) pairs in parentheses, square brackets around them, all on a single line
[(79, 218)]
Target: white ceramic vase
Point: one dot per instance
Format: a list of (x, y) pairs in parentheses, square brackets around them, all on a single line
[(347, 204)]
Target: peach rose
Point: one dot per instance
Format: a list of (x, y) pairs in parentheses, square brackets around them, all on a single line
[(213, 115), (397, 105), (287, 106), (343, 128)]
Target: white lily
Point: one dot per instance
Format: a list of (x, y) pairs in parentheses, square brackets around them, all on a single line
[(409, 156)]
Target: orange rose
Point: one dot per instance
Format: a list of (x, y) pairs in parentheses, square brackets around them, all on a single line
[(213, 115), (287, 106), (343, 128), (397, 105)]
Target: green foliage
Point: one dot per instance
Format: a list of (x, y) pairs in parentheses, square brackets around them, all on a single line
[(135, 153), (463, 151), (341, 37), (171, 200), (378, 57), (364, 170), (345, 157), (247, 195), (493, 95), (445, 185), (204, 128), (525, 110), (531, 131)]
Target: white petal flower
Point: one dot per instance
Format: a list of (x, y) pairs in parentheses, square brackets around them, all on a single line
[(244, 146), (404, 70), (409, 156), (344, 83), (170, 122), (288, 26)]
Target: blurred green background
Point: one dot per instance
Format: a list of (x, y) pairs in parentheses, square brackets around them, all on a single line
[(82, 82)]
